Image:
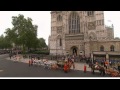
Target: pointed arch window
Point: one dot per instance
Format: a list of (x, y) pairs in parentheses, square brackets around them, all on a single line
[(101, 48), (60, 42), (112, 48), (59, 18), (74, 23), (90, 13)]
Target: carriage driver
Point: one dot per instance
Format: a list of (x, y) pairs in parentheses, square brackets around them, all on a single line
[(96, 65)]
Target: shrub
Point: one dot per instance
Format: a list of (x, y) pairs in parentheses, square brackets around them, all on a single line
[(41, 52)]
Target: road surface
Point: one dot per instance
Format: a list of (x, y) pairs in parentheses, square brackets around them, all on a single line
[(9, 68)]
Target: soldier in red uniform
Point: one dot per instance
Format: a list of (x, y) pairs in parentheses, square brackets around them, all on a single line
[(84, 68), (66, 67)]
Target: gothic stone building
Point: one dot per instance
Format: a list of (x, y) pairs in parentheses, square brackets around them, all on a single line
[(82, 33)]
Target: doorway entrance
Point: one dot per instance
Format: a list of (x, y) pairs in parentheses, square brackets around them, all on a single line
[(74, 51)]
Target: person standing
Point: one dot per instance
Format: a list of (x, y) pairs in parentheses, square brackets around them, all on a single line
[(110, 63), (10, 55), (102, 70), (102, 62), (106, 64), (65, 67), (73, 62), (119, 67)]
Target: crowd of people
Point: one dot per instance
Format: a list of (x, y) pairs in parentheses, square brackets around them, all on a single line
[(69, 61)]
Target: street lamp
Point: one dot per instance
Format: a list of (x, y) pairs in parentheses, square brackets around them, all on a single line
[(84, 48), (63, 51)]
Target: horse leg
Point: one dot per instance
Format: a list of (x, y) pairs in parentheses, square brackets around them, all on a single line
[(100, 72), (103, 72), (93, 71)]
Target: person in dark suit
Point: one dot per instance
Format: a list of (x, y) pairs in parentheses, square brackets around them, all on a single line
[(10, 55), (119, 67)]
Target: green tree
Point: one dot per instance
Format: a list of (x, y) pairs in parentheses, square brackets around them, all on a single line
[(42, 43), (5, 43), (23, 32)]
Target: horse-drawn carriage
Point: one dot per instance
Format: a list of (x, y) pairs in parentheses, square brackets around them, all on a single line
[(65, 65), (112, 72), (101, 69), (96, 67), (60, 64)]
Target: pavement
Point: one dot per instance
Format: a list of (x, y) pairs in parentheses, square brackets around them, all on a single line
[(78, 65)]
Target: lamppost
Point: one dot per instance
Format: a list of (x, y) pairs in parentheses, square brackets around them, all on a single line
[(84, 48), (63, 51)]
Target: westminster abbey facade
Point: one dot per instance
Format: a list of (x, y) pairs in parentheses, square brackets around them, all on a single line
[(82, 33)]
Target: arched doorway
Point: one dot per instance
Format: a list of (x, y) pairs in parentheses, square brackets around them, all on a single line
[(74, 50)]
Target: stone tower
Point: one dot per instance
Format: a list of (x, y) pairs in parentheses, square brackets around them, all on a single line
[(72, 31)]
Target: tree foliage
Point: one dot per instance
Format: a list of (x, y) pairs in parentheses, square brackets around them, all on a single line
[(24, 33), (5, 43), (41, 43)]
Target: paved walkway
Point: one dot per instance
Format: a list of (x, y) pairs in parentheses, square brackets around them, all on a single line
[(78, 66)]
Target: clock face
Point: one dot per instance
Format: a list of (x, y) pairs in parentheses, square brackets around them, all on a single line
[(91, 25)]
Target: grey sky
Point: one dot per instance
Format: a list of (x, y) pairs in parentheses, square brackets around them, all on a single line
[(42, 19)]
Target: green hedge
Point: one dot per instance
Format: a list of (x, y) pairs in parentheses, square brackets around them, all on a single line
[(41, 52)]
